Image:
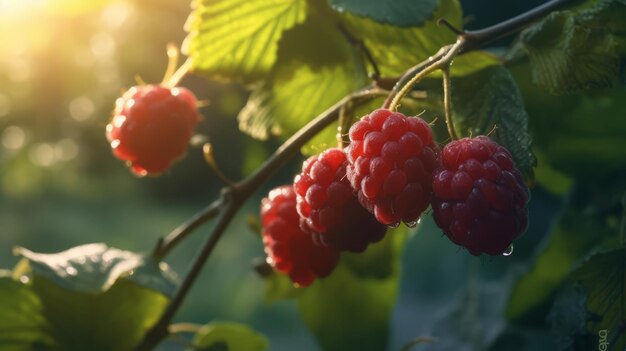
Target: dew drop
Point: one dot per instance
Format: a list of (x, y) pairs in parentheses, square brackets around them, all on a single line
[(414, 223), (508, 251), (394, 225)]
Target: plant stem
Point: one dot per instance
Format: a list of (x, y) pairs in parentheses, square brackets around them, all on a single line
[(447, 102), (160, 329), (450, 53), (478, 38)]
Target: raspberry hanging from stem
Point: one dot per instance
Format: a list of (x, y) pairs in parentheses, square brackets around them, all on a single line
[(172, 75)]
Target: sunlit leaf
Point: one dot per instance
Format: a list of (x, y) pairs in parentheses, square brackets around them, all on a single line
[(238, 40), (316, 69), (402, 13), (229, 336)]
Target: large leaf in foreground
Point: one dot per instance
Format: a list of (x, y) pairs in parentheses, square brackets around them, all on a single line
[(98, 298)]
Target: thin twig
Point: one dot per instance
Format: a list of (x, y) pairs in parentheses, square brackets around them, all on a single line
[(447, 102), (361, 46), (450, 53)]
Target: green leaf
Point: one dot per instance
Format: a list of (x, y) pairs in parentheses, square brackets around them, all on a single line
[(22, 327), (350, 311), (574, 236), (490, 99), (396, 49), (230, 337), (86, 291), (577, 50), (94, 268), (402, 13), (317, 68), (604, 278), (238, 40)]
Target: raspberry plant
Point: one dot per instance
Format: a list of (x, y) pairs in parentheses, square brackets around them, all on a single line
[(429, 124)]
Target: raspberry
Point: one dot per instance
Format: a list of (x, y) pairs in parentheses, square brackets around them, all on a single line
[(391, 160), (289, 249), (479, 196), (151, 127), (329, 210)]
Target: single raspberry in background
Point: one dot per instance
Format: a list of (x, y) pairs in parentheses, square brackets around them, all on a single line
[(391, 160), (328, 208), (151, 127), (479, 196), (289, 249)]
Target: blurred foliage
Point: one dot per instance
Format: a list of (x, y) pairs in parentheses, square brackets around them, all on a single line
[(63, 63)]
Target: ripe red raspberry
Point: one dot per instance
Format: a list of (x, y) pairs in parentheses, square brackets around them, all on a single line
[(392, 158), (329, 210), (289, 249), (151, 127), (479, 196)]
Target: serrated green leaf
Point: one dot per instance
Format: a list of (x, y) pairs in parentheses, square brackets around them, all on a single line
[(229, 336), (350, 311), (574, 236), (490, 99), (22, 326), (311, 76), (577, 50), (396, 49), (237, 40), (604, 278), (401, 13), (94, 268)]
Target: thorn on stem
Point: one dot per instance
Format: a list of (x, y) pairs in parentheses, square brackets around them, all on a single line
[(444, 22)]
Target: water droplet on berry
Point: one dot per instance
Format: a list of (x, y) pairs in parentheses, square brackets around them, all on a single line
[(394, 225), (413, 224), (508, 251)]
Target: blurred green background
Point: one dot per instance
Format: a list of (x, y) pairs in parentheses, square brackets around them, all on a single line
[(63, 63)]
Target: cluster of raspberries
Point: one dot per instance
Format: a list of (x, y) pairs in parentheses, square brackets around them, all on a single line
[(344, 200)]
